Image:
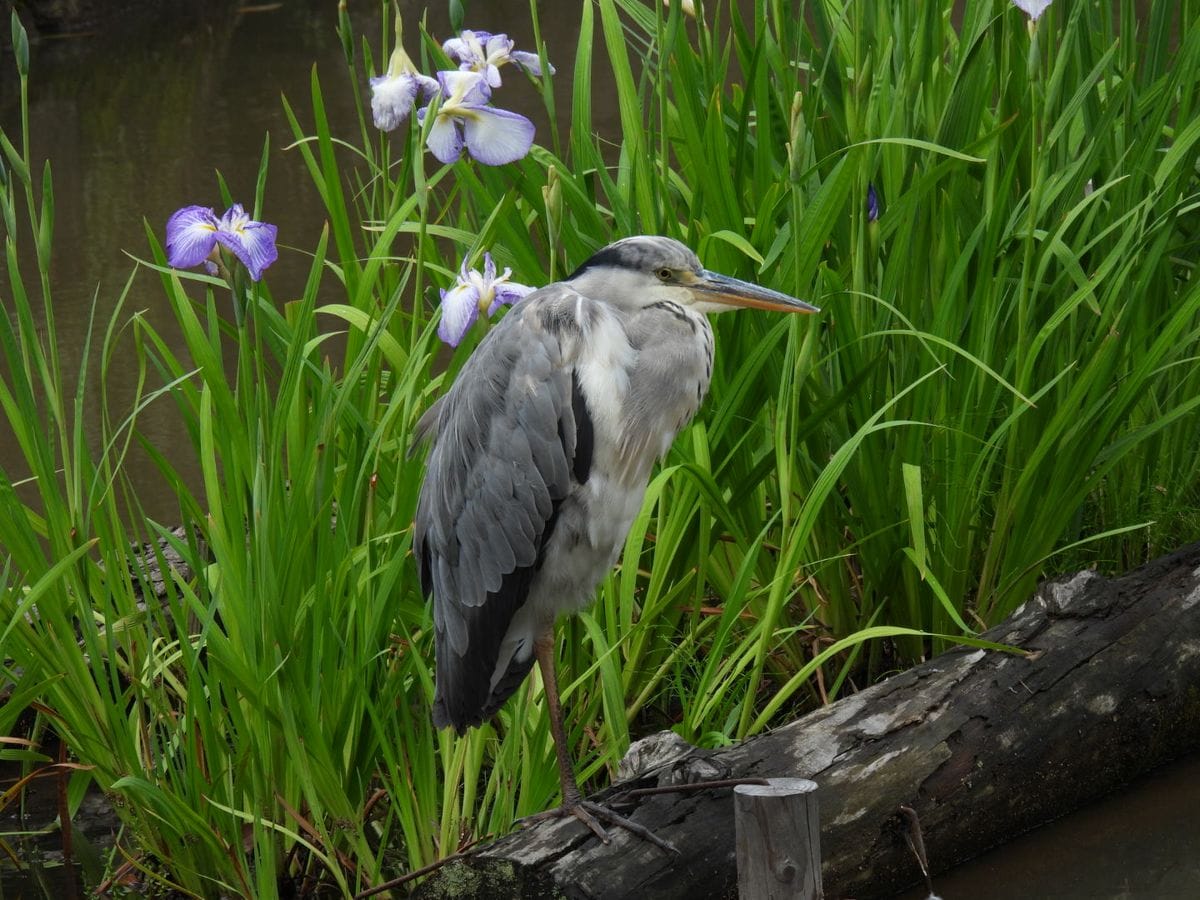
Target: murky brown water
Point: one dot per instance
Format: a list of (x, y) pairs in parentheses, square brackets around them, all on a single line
[(1141, 843)]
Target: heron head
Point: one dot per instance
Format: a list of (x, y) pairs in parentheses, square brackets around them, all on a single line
[(640, 271)]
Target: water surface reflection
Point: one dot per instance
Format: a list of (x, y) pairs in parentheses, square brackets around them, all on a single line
[(1141, 843)]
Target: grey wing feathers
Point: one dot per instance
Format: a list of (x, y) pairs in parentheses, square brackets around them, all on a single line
[(501, 463)]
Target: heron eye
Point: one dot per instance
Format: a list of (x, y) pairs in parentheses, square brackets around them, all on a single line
[(664, 274)]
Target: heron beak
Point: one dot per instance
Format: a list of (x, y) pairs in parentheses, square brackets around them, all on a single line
[(717, 288)]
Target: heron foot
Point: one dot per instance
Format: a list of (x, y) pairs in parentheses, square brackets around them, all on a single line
[(591, 814)]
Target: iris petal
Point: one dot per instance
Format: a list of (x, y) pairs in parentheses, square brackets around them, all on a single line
[(507, 293), (460, 309), (257, 247), (444, 140), (392, 99), (465, 88), (497, 45), (457, 49), (479, 93), (193, 231), (497, 136), (529, 62), (428, 86), (191, 234), (233, 219), (1032, 8), (448, 80)]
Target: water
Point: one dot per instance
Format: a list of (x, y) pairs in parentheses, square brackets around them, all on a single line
[(1140, 843)]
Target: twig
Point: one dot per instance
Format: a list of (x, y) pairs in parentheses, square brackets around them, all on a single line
[(690, 786), (416, 873)]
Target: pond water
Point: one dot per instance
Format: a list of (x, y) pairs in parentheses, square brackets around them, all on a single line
[(1141, 843)]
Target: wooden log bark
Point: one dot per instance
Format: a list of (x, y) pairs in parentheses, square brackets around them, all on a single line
[(982, 745)]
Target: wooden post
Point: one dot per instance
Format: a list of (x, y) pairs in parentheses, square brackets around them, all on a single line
[(778, 840)]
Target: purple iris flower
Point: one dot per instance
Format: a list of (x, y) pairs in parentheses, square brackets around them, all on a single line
[(464, 119), (194, 232), (474, 293), (872, 204), (481, 51), (1032, 8), (394, 93)]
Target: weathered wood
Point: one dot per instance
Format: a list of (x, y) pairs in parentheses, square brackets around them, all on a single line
[(778, 840), (983, 746)]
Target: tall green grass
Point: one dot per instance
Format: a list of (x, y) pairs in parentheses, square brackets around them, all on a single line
[(1004, 384)]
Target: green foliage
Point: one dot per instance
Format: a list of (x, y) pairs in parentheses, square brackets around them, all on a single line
[(1004, 383)]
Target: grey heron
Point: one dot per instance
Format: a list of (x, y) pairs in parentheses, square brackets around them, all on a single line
[(541, 453)]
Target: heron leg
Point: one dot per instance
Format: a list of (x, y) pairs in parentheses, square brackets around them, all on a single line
[(543, 649), (573, 803)]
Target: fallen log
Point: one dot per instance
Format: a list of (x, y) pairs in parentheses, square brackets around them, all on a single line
[(981, 745)]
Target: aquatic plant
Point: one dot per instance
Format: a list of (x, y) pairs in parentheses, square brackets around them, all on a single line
[(195, 232), (394, 93), (473, 293), (481, 51), (465, 119)]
